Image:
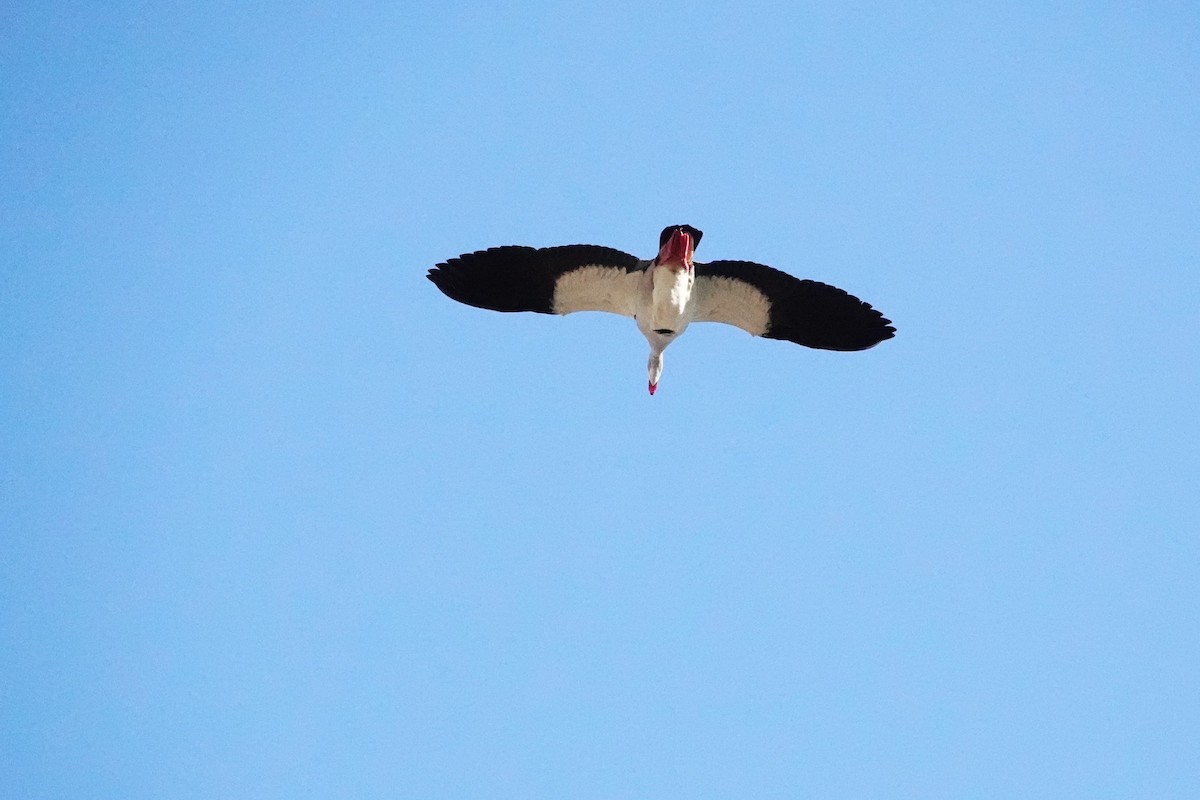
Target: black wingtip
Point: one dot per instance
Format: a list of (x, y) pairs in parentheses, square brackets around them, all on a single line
[(510, 278), (873, 327), (831, 319), (857, 331)]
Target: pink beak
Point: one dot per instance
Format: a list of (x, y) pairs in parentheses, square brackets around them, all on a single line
[(677, 250)]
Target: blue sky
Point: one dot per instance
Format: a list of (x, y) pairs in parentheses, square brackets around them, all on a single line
[(280, 520)]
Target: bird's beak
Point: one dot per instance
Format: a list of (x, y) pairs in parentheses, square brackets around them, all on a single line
[(653, 388), (677, 250)]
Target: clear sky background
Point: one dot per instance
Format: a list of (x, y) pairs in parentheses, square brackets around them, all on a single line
[(279, 520)]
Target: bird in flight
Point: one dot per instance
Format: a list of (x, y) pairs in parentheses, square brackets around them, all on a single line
[(663, 295)]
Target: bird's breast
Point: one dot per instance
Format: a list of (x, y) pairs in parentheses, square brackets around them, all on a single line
[(670, 292)]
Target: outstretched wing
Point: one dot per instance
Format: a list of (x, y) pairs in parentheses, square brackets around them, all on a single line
[(766, 302), (548, 280)]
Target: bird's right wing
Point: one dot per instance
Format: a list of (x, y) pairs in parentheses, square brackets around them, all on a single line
[(548, 280)]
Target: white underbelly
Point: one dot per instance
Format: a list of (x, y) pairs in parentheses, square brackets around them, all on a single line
[(669, 297)]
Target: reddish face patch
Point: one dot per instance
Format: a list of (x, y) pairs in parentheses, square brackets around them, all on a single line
[(677, 252)]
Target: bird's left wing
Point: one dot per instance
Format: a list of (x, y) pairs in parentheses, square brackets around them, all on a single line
[(547, 280), (766, 302)]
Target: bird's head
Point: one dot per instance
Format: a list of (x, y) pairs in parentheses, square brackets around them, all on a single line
[(676, 245)]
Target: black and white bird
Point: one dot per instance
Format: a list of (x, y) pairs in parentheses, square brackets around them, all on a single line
[(663, 295)]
